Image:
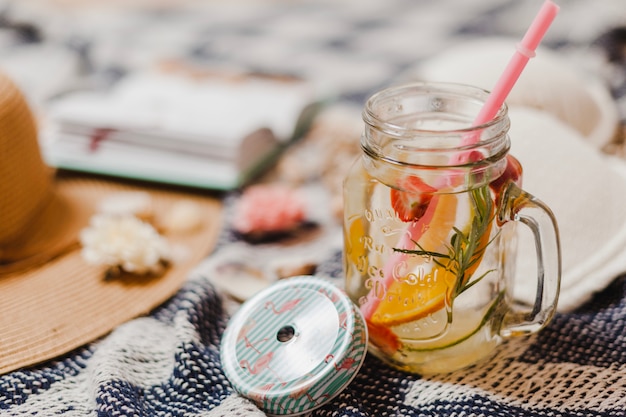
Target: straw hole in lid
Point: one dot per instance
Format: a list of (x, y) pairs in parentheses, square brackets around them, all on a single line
[(286, 334)]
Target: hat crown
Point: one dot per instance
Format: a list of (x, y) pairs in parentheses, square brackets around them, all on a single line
[(25, 180)]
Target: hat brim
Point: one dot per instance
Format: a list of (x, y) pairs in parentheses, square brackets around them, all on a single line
[(65, 303)]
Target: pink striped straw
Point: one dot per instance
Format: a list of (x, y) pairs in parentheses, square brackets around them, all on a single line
[(525, 50)]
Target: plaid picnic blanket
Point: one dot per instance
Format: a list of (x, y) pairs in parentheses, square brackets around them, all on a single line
[(168, 363)]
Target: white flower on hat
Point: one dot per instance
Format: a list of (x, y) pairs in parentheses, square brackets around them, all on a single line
[(124, 241)]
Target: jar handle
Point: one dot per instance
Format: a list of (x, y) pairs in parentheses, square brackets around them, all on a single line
[(520, 206)]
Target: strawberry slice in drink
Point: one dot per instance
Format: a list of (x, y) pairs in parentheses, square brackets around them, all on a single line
[(412, 199), (512, 173), (385, 339)]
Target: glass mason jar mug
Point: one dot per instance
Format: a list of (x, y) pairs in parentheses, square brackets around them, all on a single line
[(430, 210)]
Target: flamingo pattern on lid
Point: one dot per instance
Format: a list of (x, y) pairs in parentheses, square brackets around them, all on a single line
[(294, 346)]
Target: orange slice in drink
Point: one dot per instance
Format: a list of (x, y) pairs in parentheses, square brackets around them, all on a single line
[(423, 288), (406, 302), (355, 248)]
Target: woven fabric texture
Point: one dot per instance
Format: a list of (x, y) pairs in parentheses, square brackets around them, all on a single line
[(168, 364)]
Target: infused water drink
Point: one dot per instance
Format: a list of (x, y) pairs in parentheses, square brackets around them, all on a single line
[(429, 230)]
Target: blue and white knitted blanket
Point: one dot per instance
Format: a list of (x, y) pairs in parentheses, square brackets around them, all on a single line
[(168, 364)]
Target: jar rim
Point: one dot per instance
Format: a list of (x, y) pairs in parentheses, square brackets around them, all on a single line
[(459, 89)]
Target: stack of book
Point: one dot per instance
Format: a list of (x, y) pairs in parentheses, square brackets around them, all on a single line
[(208, 132)]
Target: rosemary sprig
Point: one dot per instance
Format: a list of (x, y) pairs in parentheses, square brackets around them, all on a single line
[(464, 251)]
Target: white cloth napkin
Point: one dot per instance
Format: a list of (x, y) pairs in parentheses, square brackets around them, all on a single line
[(587, 193)]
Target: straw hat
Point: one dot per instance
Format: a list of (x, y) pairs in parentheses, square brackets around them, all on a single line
[(51, 299)]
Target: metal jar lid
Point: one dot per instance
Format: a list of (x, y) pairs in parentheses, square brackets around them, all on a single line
[(294, 346)]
